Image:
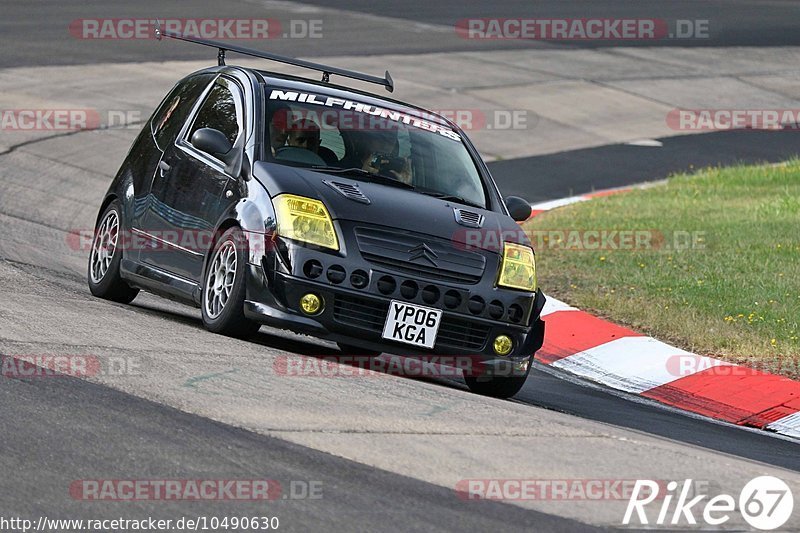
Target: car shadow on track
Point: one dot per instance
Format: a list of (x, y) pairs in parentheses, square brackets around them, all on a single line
[(294, 344)]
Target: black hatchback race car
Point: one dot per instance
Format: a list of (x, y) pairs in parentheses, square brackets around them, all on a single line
[(271, 199)]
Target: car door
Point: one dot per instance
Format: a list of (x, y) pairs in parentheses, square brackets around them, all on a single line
[(165, 125), (185, 198)]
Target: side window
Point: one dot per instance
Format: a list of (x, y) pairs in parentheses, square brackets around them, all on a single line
[(175, 109), (220, 110)]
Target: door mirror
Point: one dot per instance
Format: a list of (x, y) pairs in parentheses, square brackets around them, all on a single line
[(216, 144), (212, 142), (518, 208)]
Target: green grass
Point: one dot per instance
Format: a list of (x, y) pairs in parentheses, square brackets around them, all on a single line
[(734, 293)]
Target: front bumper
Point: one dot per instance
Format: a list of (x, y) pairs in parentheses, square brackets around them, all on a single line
[(355, 316)]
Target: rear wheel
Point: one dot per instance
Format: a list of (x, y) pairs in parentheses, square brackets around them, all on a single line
[(224, 288), (498, 386), (104, 259)]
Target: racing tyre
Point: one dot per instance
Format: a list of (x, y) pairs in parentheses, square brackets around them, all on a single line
[(104, 258), (224, 287), (498, 386)]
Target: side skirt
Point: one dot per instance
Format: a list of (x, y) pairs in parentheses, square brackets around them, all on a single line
[(160, 282)]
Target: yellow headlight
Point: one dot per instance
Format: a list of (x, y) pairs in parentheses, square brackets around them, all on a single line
[(517, 267), (305, 219)]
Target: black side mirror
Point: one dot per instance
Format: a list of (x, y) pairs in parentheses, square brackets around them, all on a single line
[(212, 142), (215, 143), (518, 208)]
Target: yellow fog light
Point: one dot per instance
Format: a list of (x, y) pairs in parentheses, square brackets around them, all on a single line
[(503, 345), (311, 304)]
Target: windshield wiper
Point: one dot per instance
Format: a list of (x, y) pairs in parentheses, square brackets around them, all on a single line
[(355, 171), (450, 197)]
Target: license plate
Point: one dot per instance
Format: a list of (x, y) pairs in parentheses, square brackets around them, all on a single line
[(412, 324)]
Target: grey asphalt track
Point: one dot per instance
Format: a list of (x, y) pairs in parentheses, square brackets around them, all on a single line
[(563, 174), (741, 23), (36, 33), (551, 392), (111, 435)]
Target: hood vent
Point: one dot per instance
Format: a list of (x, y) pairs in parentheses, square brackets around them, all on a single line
[(349, 190), (471, 219)]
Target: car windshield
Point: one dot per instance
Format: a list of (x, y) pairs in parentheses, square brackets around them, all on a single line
[(391, 147)]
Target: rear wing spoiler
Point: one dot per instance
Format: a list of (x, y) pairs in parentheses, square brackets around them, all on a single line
[(326, 70)]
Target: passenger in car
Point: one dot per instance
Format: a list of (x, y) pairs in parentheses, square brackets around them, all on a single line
[(304, 133), (279, 127), (374, 152)]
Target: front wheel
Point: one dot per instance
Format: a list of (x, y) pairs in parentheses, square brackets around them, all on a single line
[(498, 386), (224, 287), (104, 259)]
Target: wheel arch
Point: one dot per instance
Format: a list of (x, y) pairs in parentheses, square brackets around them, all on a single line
[(106, 202), (254, 215), (222, 227), (248, 217)]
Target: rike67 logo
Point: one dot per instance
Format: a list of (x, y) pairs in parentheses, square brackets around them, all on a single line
[(766, 503)]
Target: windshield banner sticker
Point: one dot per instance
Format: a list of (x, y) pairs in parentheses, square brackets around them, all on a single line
[(358, 107)]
